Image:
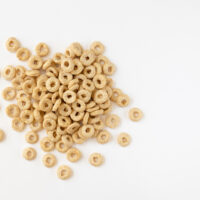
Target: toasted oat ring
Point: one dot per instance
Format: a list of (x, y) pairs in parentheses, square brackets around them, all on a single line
[(12, 110), (48, 63), (98, 124), (2, 135), (53, 136), (36, 126), (57, 58), (85, 118), (88, 85), (67, 139), (109, 69), (123, 100), (38, 115), (41, 82), (52, 84), (64, 121), (73, 154), (61, 130), (52, 72), (64, 109), (116, 92), (45, 105), (62, 90), (123, 139), (99, 81), (31, 137), (46, 144), (29, 153), (80, 77), (67, 65), (12, 44), (79, 105), (135, 114), (76, 48), (69, 96), (78, 67), (88, 57), (91, 104), (112, 121), (92, 109), (109, 91), (96, 159), (65, 77), (17, 83), (49, 160), (9, 93), (69, 53), (110, 82), (98, 68), (55, 97), (64, 172), (97, 47), (76, 138), (24, 103), (97, 112), (35, 62), (37, 93), (61, 146), (103, 137), (23, 54), (89, 71), (102, 60), (76, 116), (73, 127), (84, 95), (28, 86), (87, 131), (21, 94), (9, 72), (33, 73), (100, 96), (56, 105), (27, 116), (49, 124), (18, 125), (105, 105), (42, 49)]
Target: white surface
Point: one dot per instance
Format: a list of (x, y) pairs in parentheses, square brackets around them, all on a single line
[(155, 46)]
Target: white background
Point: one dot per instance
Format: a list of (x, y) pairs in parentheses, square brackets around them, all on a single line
[(156, 48)]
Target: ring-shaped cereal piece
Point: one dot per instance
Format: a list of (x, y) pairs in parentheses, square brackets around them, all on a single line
[(57, 58), (64, 172), (102, 60), (62, 90), (52, 72), (18, 125), (72, 128), (21, 94), (26, 116), (98, 68), (84, 95), (49, 124), (88, 57), (61, 146), (67, 65), (31, 137), (55, 97), (116, 92), (76, 116), (85, 118), (9, 93), (76, 48), (69, 97), (61, 130), (9, 72), (73, 154), (79, 105), (87, 130), (46, 144), (123, 100), (35, 62), (105, 105), (37, 93), (42, 49), (97, 47), (48, 63), (23, 54), (69, 53), (109, 91), (107, 110), (100, 96), (77, 139), (50, 115), (88, 85), (97, 112), (36, 126), (28, 86), (96, 159), (89, 71), (135, 114), (91, 104), (98, 124), (64, 121), (33, 73), (65, 77), (123, 139), (41, 82), (38, 115), (81, 78), (103, 137), (2, 135), (12, 110), (17, 83), (56, 105), (12, 44), (112, 121), (52, 84), (53, 136), (45, 104), (110, 82), (49, 160), (29, 153), (109, 69), (64, 109), (67, 139), (93, 109), (78, 67), (99, 81), (24, 103)]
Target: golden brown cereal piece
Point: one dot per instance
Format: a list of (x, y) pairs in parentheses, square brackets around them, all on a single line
[(31, 137), (100, 96), (123, 100), (12, 44), (87, 131), (109, 69), (76, 48), (37, 93), (135, 114), (107, 110), (105, 105), (64, 121), (46, 144), (116, 92), (103, 137), (99, 81), (61, 146), (38, 115), (2, 135), (41, 82), (49, 124), (98, 123), (20, 71), (80, 78), (84, 95), (42, 49), (88, 57), (52, 72), (9, 72), (17, 83), (89, 71), (53, 136), (67, 139), (21, 94), (56, 105), (98, 68), (48, 63), (28, 86), (88, 85), (79, 105), (29, 153), (55, 97), (76, 138), (33, 73), (35, 62), (85, 118), (23, 54), (96, 159), (64, 172), (61, 130), (69, 96), (45, 104), (76, 116), (62, 90), (12, 110), (90, 105), (109, 82), (97, 112), (123, 139), (24, 103), (112, 121), (97, 47), (57, 58), (52, 84), (73, 154), (64, 110), (73, 82), (102, 60), (36, 126), (78, 67), (69, 53), (26, 116), (67, 65), (9, 93), (109, 91), (65, 77), (49, 160), (72, 128)]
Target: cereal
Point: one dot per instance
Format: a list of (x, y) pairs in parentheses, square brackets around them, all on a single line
[(67, 65), (49, 160), (89, 71), (84, 95), (20, 71), (23, 54), (2, 135), (35, 62), (48, 63), (56, 105), (52, 84), (17, 83), (12, 44), (64, 121), (99, 81), (78, 67), (100, 96), (64, 110), (123, 139), (28, 86), (97, 47), (96, 159), (29, 153), (79, 105), (53, 136), (108, 69), (61, 146), (73, 154), (76, 116), (69, 96), (36, 126), (64, 172), (116, 92), (88, 85), (12, 111), (33, 73), (65, 77), (88, 57), (52, 72), (67, 139), (123, 100), (102, 60), (76, 48), (73, 127), (31, 137), (9, 93), (24, 103), (135, 114), (49, 124), (85, 118), (57, 58), (37, 93), (76, 138), (9, 72), (38, 115), (45, 104), (87, 131), (26, 116), (42, 49), (46, 144), (112, 121), (103, 137)]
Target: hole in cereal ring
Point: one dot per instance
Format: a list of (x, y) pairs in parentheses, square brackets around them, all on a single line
[(66, 63), (87, 58)]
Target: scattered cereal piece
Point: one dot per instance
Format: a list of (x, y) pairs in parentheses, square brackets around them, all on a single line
[(12, 44), (23, 54), (124, 139), (112, 121), (9, 72), (64, 172), (29, 153), (96, 159), (49, 160), (73, 154), (31, 137), (2, 135), (42, 49), (135, 114), (103, 137)]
